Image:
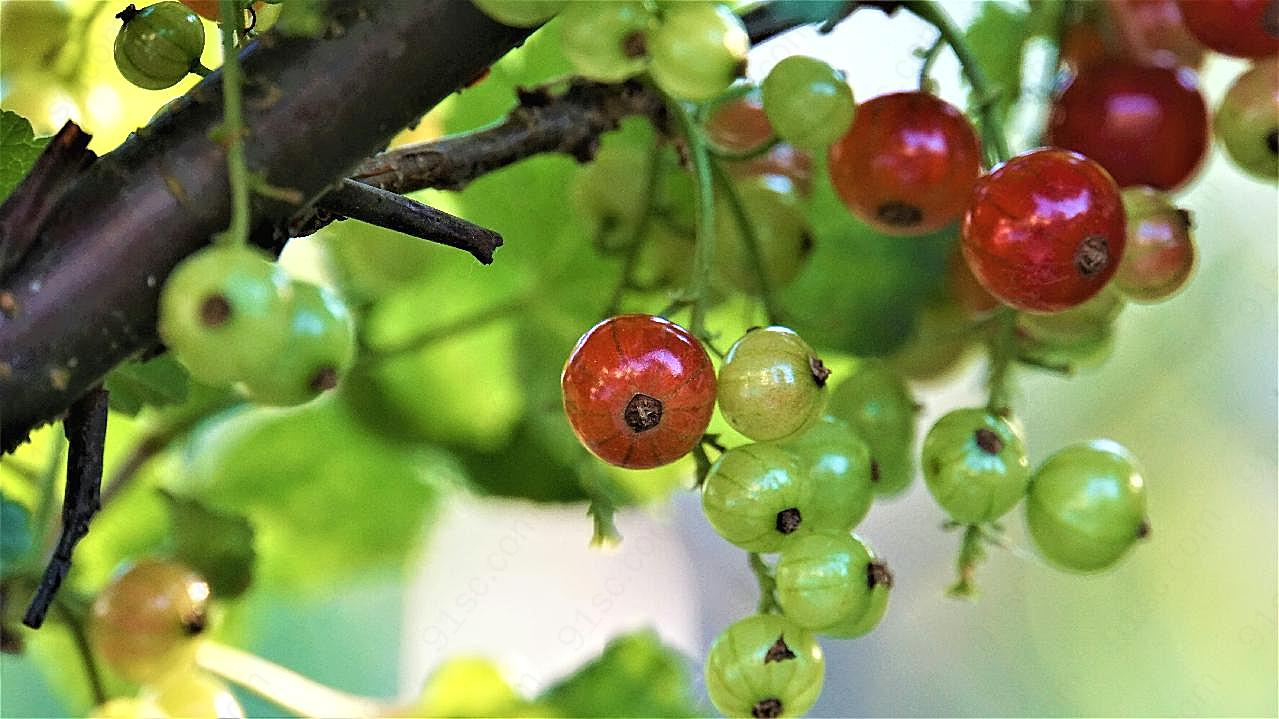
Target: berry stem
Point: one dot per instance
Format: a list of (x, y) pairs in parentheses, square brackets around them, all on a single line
[(929, 57), (640, 230), (995, 142), (751, 239), (704, 254), (75, 625), (1002, 348), (48, 486), (282, 687), (767, 585), (517, 303), (230, 17), (971, 553)]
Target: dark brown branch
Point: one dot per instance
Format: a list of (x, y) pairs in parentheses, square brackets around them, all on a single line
[(86, 430), (396, 212), (28, 205), (84, 297), (570, 123)]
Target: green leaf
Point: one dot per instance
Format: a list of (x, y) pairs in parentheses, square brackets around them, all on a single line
[(636, 675), (998, 38), (326, 497), (860, 291), (157, 382), (218, 545), (19, 148), (15, 533)]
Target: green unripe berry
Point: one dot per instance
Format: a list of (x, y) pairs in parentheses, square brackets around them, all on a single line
[(772, 384), (606, 41), (319, 349), (880, 409), (1087, 505), (975, 465), (158, 44), (1076, 338), (825, 580), (1247, 123), (764, 666), (609, 192), (520, 13), (757, 496), (697, 51), (852, 628), (838, 466), (223, 311), (808, 103), (781, 232)]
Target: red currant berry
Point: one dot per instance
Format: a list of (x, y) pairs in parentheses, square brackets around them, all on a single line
[(1082, 46), (639, 391), (1161, 253), (1243, 28), (1152, 32), (907, 164), (1045, 230), (1146, 125), (739, 125), (1247, 122)]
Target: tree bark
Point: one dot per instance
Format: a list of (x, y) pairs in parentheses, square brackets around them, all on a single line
[(84, 297)]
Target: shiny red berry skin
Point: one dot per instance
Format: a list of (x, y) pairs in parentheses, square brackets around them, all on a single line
[(907, 164), (639, 391), (1045, 230), (739, 125), (1152, 32), (1146, 125), (1243, 28)]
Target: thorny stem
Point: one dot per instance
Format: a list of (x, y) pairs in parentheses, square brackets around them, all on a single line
[(640, 230), (767, 585), (283, 687), (233, 123), (704, 255), (751, 239), (992, 126)]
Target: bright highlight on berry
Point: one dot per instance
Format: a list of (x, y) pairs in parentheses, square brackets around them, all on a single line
[(1045, 230)]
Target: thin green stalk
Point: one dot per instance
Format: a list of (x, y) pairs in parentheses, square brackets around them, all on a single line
[(929, 59), (48, 484), (462, 325), (704, 256), (233, 123), (971, 553), (767, 585), (640, 231), (75, 625), (751, 239), (992, 125), (1002, 348)]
